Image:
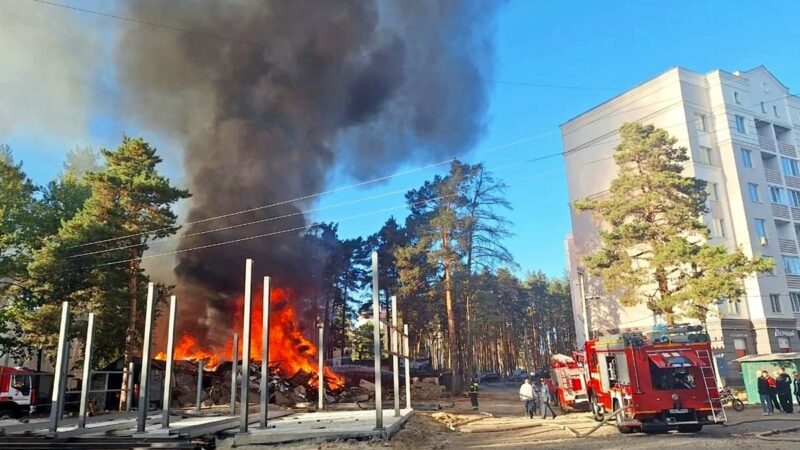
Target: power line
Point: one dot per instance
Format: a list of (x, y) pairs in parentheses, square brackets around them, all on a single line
[(273, 233)]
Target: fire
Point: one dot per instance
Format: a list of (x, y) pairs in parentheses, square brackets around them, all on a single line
[(289, 350)]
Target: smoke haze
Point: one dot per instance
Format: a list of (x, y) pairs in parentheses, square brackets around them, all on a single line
[(270, 96)]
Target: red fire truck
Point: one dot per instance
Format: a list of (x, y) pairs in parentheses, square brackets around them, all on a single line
[(569, 381), (17, 396), (659, 381)]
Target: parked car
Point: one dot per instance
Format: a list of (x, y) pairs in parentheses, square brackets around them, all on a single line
[(488, 377), (520, 375)]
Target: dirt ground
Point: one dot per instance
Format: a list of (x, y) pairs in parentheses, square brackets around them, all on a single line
[(501, 424)]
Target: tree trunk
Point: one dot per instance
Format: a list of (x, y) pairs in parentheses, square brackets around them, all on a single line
[(130, 334), (451, 330)]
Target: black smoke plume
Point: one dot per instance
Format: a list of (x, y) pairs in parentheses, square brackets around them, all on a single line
[(270, 97)]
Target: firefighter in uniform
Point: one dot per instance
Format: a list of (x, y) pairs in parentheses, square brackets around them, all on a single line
[(473, 393)]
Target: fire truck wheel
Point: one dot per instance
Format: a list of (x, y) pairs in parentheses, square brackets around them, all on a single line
[(690, 428), (6, 414), (620, 418), (596, 414)]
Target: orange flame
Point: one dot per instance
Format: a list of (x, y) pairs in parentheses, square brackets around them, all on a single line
[(289, 350)]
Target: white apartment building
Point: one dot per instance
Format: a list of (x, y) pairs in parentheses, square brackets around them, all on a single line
[(742, 130)]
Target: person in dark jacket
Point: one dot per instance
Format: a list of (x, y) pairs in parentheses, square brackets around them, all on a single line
[(773, 391), (784, 382), (544, 399), (796, 383), (764, 393)]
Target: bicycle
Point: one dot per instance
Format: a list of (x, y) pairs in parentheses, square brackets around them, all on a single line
[(727, 397)]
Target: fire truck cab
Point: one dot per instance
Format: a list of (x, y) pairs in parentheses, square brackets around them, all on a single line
[(17, 396), (661, 381)]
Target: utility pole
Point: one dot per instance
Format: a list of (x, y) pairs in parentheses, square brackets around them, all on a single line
[(581, 281)]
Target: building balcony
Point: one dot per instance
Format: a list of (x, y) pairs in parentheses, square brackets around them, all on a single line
[(781, 212), (767, 143), (787, 245), (773, 176), (796, 214), (787, 150)]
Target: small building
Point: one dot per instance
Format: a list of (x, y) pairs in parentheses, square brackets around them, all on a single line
[(753, 365)]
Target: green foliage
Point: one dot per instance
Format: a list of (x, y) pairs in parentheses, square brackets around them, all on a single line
[(128, 204), (655, 249)]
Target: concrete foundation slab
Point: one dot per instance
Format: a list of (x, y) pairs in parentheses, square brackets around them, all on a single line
[(325, 426)]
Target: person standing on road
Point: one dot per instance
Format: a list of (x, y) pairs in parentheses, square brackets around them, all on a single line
[(796, 384), (785, 391), (473, 393), (764, 393), (527, 397), (773, 391), (544, 399)]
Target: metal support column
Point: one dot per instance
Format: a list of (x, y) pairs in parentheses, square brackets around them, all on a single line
[(395, 335), (87, 372), (233, 372), (321, 370), (376, 334), (167, 397), (408, 365), (244, 410), (144, 377), (129, 403), (60, 377), (200, 365), (265, 298)]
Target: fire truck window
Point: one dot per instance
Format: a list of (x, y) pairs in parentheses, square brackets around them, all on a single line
[(611, 362), (671, 378), (21, 383)]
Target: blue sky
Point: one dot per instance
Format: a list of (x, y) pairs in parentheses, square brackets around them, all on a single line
[(598, 49)]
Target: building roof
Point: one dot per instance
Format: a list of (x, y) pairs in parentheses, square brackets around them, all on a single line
[(770, 357)]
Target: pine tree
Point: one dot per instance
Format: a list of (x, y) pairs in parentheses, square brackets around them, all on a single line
[(655, 247)]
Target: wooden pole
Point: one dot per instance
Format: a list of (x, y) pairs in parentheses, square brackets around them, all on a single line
[(407, 352), (395, 359), (234, 368), (321, 370), (60, 377)]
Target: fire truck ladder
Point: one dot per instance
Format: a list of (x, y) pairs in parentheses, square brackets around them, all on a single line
[(710, 384)]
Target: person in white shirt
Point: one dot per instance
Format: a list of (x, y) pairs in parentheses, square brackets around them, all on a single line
[(527, 397)]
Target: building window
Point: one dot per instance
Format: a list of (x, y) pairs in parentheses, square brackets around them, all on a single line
[(740, 125), (706, 156), (761, 231), (783, 345), (763, 108), (775, 302), (789, 167), (736, 98), (777, 195), (791, 265), (795, 297), (747, 158), (735, 304), (713, 191), (740, 345), (719, 228), (775, 110), (752, 189), (794, 198), (700, 122)]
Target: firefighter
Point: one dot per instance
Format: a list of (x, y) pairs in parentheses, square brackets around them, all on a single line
[(544, 399), (473, 393)]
